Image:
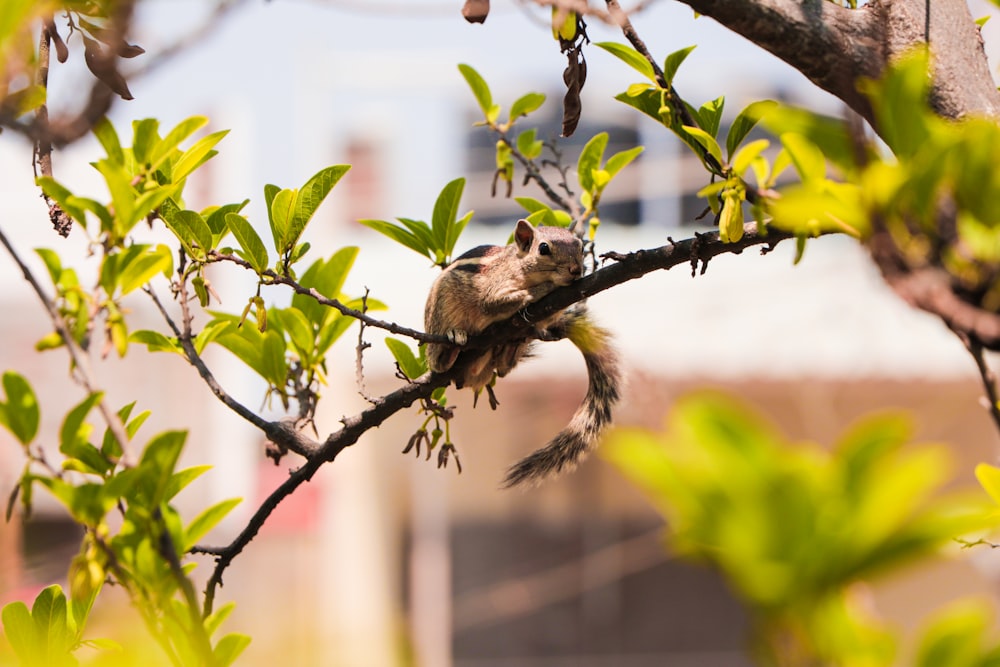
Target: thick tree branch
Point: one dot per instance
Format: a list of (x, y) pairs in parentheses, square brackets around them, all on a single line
[(931, 288), (829, 44), (693, 251), (833, 46)]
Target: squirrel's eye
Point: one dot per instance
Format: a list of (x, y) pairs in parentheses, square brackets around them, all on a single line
[(544, 249)]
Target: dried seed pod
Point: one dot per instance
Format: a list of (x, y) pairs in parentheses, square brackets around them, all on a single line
[(476, 11)]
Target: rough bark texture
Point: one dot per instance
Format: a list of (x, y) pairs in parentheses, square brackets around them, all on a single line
[(962, 83), (833, 46)]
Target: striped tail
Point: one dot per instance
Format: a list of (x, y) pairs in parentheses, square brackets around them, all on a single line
[(589, 421)]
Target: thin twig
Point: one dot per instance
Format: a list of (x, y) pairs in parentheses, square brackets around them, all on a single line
[(986, 374), (534, 173), (284, 435), (359, 368), (276, 278), (80, 360)]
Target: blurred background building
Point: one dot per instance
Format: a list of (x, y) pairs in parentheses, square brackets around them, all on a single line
[(383, 559)]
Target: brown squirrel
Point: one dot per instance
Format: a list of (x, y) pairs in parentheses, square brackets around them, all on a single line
[(491, 283)]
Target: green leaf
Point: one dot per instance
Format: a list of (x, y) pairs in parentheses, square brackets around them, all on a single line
[(142, 268), (190, 229), (955, 637), (528, 146), (400, 235), (155, 341), (745, 121), (211, 331), (197, 155), (590, 160), (900, 102), (273, 359), (310, 196), (648, 100), (630, 57), (53, 263), (215, 217), (409, 363), (299, 330), (110, 446), (731, 218), (145, 139), (989, 479), (673, 62), (532, 205), (831, 135), (480, 90), (281, 210), (247, 344), (147, 202), (710, 115), (20, 413), (706, 140), (157, 466), (329, 279), (21, 633), (180, 479), (445, 212), (806, 157), (75, 431), (123, 195), (51, 628), (206, 521), (215, 620), (106, 134), (95, 207), (620, 160), (229, 648), (179, 133), (250, 242), (747, 154), (422, 231), (525, 104), (326, 277)]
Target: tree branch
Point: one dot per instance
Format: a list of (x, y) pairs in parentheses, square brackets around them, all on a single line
[(282, 434), (833, 46), (829, 44), (78, 358), (699, 249), (276, 278)]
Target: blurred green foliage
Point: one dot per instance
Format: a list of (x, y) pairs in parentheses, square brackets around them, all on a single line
[(794, 527)]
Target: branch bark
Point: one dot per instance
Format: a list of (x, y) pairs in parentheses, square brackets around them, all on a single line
[(833, 46), (696, 251)]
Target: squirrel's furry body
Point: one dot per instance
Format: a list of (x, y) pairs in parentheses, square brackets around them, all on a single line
[(492, 283)]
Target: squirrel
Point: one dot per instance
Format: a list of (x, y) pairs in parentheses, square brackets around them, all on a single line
[(492, 283)]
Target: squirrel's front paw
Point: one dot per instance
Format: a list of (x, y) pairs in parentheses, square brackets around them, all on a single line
[(457, 336)]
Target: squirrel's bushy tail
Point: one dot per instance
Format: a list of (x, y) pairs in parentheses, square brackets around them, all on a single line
[(587, 425)]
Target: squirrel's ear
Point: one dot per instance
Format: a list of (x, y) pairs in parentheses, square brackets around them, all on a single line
[(524, 234)]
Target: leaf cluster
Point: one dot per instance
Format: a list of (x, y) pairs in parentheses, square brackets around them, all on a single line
[(698, 128), (593, 172), (791, 525), (436, 240), (140, 548)]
